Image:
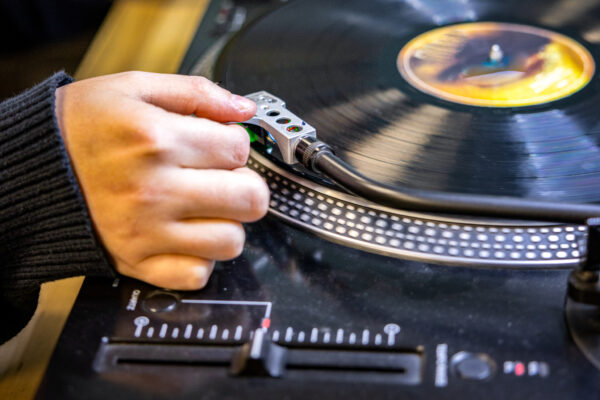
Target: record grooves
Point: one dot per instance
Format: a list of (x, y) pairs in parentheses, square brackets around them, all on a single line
[(337, 68)]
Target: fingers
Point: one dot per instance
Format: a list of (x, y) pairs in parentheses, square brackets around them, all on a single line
[(190, 95), (172, 271), (166, 190), (201, 143), (211, 239), (239, 195)]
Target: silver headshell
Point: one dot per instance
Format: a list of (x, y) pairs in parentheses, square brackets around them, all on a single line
[(285, 127)]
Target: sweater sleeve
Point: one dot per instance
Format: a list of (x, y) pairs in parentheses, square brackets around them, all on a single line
[(45, 229)]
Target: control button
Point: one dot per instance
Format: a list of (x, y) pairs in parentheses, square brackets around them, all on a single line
[(473, 366), (160, 301)]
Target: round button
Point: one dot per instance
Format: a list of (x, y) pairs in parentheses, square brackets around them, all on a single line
[(473, 366), (160, 302)]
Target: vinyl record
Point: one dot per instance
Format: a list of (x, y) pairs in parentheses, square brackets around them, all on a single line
[(507, 109)]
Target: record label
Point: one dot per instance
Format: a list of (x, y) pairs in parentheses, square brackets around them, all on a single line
[(493, 64)]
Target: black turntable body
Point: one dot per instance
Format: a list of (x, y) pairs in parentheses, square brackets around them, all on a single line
[(338, 297), (330, 309)]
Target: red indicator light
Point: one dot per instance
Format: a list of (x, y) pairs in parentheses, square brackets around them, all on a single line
[(519, 369), (266, 322)]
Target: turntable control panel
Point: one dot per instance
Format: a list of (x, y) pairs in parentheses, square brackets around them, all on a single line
[(241, 336), (296, 318), (165, 327)]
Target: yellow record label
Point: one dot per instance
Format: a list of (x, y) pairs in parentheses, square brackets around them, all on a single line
[(496, 64)]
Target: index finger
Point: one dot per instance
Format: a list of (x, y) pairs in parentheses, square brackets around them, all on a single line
[(192, 95)]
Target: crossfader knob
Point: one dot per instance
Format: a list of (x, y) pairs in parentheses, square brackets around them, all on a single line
[(259, 357)]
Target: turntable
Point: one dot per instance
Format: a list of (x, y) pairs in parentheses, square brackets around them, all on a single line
[(462, 264)]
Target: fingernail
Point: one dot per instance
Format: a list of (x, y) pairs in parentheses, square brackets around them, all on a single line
[(241, 103)]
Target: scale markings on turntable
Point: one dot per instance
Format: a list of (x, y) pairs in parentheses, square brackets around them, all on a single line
[(314, 335), (441, 365), (238, 332), (213, 332), (140, 323), (365, 337), (352, 338), (339, 338), (188, 331), (301, 336)]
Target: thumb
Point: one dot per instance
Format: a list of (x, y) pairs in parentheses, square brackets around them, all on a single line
[(191, 95)]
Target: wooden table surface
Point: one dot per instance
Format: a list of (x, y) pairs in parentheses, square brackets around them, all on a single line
[(146, 35)]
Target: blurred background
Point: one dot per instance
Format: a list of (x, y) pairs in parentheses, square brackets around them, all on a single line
[(39, 37)]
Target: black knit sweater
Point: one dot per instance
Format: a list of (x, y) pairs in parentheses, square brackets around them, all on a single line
[(45, 229)]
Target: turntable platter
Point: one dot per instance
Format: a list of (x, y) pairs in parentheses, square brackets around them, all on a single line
[(336, 64)]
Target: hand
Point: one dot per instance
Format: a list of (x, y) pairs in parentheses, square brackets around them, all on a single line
[(166, 191)]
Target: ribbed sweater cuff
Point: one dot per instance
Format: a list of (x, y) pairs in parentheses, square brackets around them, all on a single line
[(45, 228)]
